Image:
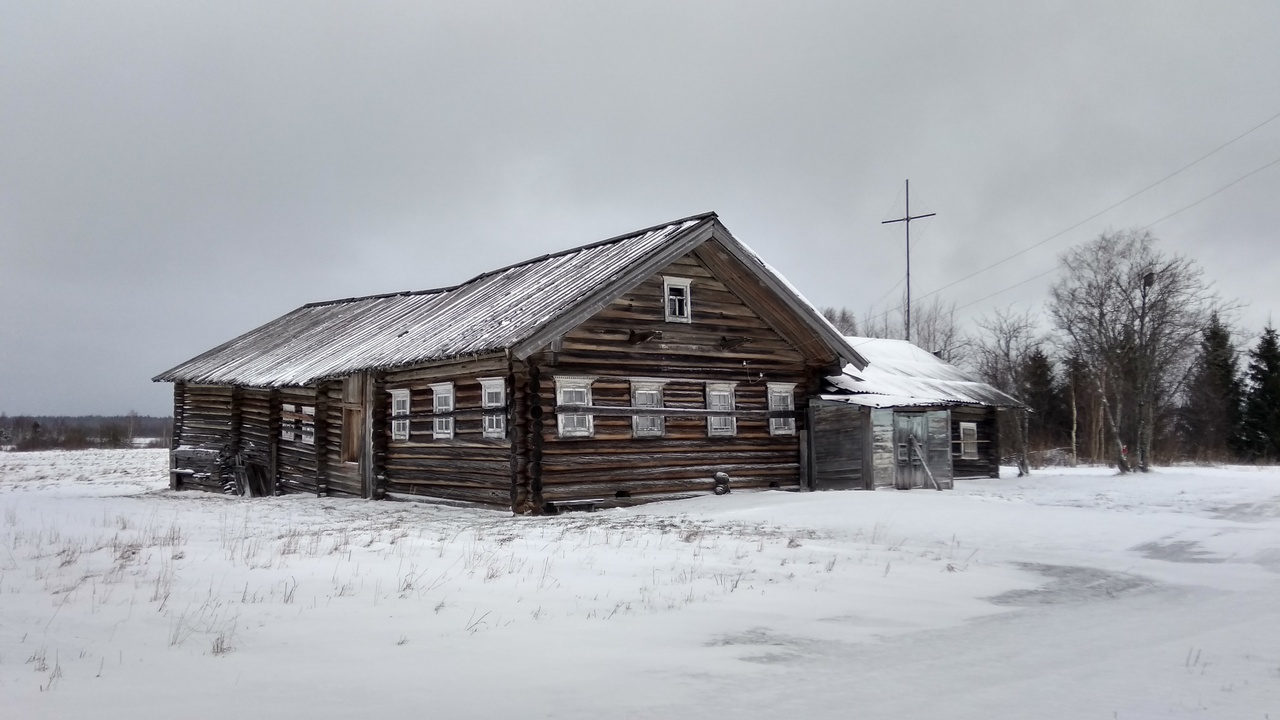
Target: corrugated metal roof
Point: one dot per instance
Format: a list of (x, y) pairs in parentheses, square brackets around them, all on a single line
[(489, 313), (900, 374)]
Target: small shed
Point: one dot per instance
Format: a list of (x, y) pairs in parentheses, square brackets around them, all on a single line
[(906, 420)]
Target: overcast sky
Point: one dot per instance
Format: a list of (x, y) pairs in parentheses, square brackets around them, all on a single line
[(174, 174)]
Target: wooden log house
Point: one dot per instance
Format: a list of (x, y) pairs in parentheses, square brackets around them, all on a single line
[(650, 365)]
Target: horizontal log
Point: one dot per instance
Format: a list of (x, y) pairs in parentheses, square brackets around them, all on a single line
[(673, 472), (552, 493), (675, 412)]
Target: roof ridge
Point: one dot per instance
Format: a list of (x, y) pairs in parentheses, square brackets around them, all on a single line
[(530, 261)]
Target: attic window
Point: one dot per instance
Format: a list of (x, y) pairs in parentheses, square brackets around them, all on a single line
[(968, 441), (676, 292), (442, 404), (399, 414)]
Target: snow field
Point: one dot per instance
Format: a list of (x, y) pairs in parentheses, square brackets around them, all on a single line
[(1050, 596)]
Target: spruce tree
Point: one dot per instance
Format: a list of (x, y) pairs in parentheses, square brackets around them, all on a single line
[(1261, 431), (1048, 423), (1211, 415)]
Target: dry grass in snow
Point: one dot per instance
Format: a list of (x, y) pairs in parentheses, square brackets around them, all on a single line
[(120, 598)]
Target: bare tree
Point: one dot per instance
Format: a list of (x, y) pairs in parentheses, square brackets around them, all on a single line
[(1131, 314), (842, 318), (934, 328), (1001, 351)]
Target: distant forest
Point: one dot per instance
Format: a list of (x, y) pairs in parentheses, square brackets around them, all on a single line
[(48, 432)]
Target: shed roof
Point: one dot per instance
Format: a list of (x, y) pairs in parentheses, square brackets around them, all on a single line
[(901, 374), (495, 311)]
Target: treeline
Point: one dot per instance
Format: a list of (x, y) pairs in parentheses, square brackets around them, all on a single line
[(45, 432), (1133, 360)]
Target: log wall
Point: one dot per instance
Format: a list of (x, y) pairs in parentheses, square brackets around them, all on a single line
[(297, 462), (726, 341), (205, 422), (467, 467)]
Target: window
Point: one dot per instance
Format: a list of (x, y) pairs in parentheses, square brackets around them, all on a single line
[(399, 414), (576, 393), (308, 427), (720, 399), (493, 396), (495, 392), (646, 395), (676, 292), (782, 397), (442, 405), (968, 441), (298, 423)]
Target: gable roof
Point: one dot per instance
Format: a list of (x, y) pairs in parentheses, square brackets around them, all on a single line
[(519, 308), (901, 374)]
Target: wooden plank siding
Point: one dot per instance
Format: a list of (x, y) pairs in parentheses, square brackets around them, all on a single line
[(988, 462), (839, 445)]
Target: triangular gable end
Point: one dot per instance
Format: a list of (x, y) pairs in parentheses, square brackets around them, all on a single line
[(711, 243)]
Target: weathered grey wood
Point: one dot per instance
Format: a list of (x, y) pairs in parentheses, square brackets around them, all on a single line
[(602, 297)]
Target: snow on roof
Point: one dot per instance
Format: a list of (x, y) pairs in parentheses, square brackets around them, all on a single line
[(492, 312), (901, 374), (488, 313)]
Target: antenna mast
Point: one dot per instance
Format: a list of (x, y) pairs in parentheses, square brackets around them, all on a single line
[(906, 219)]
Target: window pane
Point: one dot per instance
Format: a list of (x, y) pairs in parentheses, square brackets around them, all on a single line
[(677, 302), (718, 400)]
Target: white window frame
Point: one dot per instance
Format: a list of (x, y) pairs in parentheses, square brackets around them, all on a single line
[(969, 447), (645, 425), (495, 385), (721, 425), (683, 284), (401, 401), (782, 396), (574, 424), (493, 396), (443, 400)]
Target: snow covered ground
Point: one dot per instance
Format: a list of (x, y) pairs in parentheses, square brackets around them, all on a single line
[(1069, 594)]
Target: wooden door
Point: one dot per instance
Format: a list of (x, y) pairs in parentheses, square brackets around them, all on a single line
[(836, 442), (910, 470)]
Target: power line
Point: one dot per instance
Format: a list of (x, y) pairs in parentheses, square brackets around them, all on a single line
[(1115, 205), (1215, 192), (1145, 227), (1106, 210)]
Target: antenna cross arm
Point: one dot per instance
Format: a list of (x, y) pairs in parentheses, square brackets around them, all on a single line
[(907, 219)]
